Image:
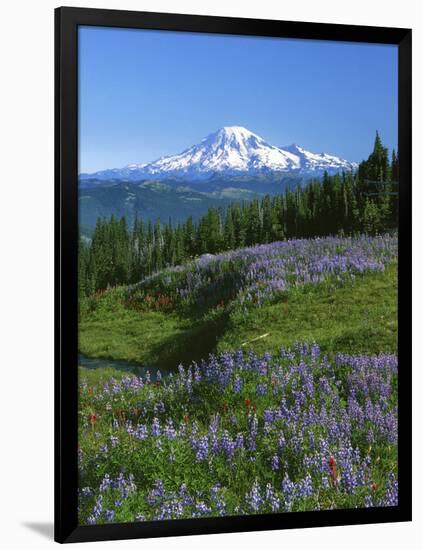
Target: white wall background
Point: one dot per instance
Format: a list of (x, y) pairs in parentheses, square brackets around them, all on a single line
[(26, 269)]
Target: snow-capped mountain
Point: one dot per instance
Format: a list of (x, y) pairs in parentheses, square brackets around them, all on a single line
[(231, 151), (319, 162)]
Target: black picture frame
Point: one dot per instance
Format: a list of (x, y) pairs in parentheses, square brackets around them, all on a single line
[(67, 20)]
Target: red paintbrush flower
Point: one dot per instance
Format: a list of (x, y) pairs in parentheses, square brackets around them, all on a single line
[(92, 418), (333, 469)]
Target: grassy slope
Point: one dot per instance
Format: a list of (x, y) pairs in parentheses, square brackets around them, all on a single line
[(150, 338), (360, 316)]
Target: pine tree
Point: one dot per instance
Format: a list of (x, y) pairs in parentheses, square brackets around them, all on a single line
[(229, 231)]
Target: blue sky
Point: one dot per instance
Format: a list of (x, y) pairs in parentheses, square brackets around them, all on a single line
[(144, 94)]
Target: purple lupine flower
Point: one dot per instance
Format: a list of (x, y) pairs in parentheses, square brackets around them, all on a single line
[(239, 441), (105, 483), (271, 498), (129, 428), (392, 492), (212, 434), (227, 444), (193, 432), (155, 428), (202, 449), (281, 442), (201, 509), (348, 478), (237, 384), (288, 489), (169, 431), (304, 487), (254, 498), (98, 507), (218, 500), (269, 416), (141, 432), (261, 389), (115, 388), (157, 492), (197, 374), (253, 432), (275, 462)]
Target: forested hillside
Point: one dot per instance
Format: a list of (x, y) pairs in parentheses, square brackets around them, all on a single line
[(345, 204)]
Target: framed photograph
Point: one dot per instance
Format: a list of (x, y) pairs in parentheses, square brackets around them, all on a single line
[(233, 282)]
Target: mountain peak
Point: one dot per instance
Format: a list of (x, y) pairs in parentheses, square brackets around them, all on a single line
[(234, 129), (231, 150), (239, 131), (233, 136)]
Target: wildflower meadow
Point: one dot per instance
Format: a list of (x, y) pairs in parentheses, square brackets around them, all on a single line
[(241, 430)]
